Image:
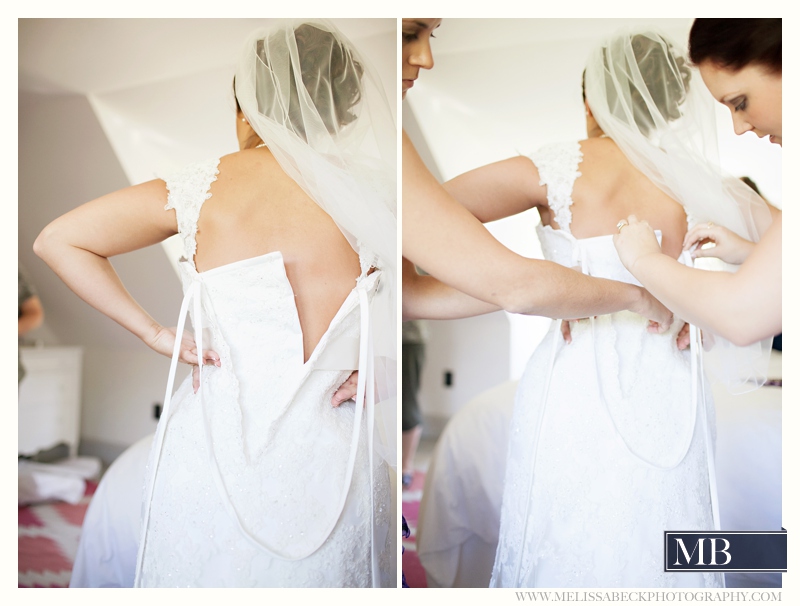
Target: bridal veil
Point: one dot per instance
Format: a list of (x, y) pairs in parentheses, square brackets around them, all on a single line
[(327, 121), (651, 101)]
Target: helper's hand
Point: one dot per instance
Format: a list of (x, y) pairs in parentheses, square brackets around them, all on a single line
[(727, 245), (636, 239)]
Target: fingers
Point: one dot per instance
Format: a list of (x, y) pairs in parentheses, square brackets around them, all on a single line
[(658, 328), (632, 220), (566, 333), (211, 358), (683, 337), (347, 391), (699, 236), (342, 395), (188, 356), (662, 326), (699, 253)]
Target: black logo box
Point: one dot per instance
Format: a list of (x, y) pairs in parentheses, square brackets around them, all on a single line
[(731, 551)]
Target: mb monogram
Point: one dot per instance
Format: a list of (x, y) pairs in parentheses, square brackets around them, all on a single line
[(736, 551)]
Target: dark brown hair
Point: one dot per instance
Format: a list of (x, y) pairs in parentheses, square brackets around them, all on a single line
[(736, 43), (666, 86), (751, 184), (319, 48)]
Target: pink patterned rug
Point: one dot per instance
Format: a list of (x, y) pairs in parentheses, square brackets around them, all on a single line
[(48, 540), (415, 574)]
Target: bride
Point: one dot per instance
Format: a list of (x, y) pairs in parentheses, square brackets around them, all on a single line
[(254, 479), (612, 431)]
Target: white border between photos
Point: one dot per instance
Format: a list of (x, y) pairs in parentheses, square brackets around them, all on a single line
[(361, 8)]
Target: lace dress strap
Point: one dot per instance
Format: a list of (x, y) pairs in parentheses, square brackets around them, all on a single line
[(186, 192), (558, 168)]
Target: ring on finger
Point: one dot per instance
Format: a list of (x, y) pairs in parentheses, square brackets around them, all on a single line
[(621, 224)]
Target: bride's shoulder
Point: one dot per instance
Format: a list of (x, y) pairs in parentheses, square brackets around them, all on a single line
[(556, 146), (600, 144), (246, 159), (193, 172), (600, 149), (563, 153)]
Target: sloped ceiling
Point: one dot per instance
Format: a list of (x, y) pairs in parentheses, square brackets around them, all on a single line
[(501, 87), (106, 103)]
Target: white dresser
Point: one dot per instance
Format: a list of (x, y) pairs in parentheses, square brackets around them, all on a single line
[(50, 398)]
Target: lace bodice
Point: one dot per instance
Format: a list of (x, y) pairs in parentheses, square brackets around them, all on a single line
[(263, 481), (558, 168), (558, 165)]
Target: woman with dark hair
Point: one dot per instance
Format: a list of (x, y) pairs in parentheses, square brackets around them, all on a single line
[(254, 479), (740, 63), (611, 439)]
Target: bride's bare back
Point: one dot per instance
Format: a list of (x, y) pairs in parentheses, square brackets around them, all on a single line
[(256, 208), (610, 188)]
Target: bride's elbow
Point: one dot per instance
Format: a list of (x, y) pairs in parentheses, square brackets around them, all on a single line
[(47, 242)]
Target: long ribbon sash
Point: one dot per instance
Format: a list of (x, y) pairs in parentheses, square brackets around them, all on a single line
[(365, 392)]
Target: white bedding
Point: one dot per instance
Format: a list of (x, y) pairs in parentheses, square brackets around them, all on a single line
[(110, 536), (460, 509)]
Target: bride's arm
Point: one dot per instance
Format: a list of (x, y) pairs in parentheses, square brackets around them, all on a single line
[(443, 238), (744, 307), (499, 190), (78, 244)]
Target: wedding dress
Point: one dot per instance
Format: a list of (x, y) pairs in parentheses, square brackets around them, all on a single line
[(257, 480), (611, 441)]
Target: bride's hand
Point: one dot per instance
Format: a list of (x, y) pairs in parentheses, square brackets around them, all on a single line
[(163, 341), (683, 338), (347, 390), (636, 239), (566, 329), (727, 245), (566, 332)]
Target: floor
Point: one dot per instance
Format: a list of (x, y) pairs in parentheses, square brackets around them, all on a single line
[(412, 569)]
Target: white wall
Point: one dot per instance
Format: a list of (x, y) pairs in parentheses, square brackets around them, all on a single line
[(121, 387), (66, 160), (475, 350)]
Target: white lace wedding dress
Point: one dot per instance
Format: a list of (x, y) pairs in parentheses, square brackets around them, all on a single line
[(256, 467), (607, 444)]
